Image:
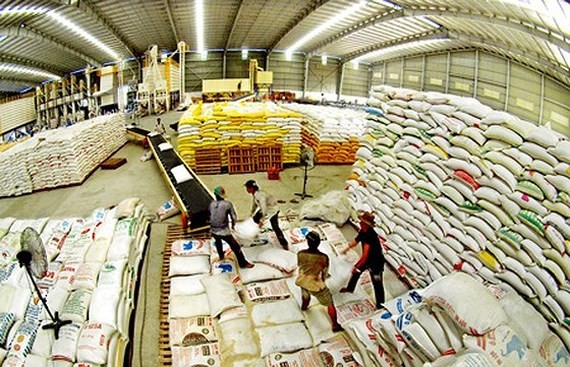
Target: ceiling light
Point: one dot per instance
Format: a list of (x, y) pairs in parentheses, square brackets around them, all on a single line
[(82, 33), (199, 20), (288, 55), (204, 55), (387, 50), (429, 21), (341, 15), (244, 54), (389, 4), (24, 10), (324, 59), (27, 70), (354, 64)]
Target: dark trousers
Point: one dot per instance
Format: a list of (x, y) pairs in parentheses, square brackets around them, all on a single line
[(234, 245), (377, 283), (274, 220)]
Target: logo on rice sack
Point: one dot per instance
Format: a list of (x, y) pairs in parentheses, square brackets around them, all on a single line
[(515, 345), (225, 267), (187, 246), (562, 354)]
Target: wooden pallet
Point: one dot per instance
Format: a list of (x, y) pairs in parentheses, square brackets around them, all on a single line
[(113, 163), (241, 160), (208, 161), (173, 233), (269, 156)]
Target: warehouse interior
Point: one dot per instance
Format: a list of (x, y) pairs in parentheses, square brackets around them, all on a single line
[(446, 122)]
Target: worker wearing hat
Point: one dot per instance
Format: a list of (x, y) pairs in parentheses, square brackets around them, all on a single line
[(372, 258), (221, 210), (313, 270), (265, 206)]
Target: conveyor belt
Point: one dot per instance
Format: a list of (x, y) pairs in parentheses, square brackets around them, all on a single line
[(137, 131), (192, 196)]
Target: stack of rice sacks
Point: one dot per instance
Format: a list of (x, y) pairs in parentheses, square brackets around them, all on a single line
[(224, 125), (62, 156), (456, 185), (93, 265), (331, 131)]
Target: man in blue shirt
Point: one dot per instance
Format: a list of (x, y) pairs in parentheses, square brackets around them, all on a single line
[(221, 210)]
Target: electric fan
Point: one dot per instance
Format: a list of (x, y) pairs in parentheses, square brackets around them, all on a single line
[(307, 160), (33, 258)]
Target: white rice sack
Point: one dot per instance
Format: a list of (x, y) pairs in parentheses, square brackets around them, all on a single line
[(93, 343), (86, 276), (305, 358), (126, 208), (543, 137), (538, 152), (104, 304), (428, 322), (6, 321), (401, 303), (237, 338), (98, 250), (528, 323), (190, 247), (561, 151), (112, 274), (196, 356), (470, 304), (503, 134), (187, 285), (44, 341), (246, 231), (258, 273), (221, 293), (463, 359), (192, 331), (416, 337), (285, 261), (56, 299), (189, 265), (65, 348), (553, 351), (23, 339), (188, 306), (502, 345), (76, 306), (276, 313), (283, 338)]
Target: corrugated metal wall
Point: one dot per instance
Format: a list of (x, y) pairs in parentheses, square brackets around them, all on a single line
[(323, 78), (287, 75), (197, 69), (496, 82), (356, 82)]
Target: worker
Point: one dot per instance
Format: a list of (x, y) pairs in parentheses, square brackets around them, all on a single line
[(264, 206), (159, 127), (372, 258), (313, 270), (221, 211)]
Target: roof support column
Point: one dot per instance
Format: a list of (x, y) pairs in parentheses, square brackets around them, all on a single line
[(305, 76), (541, 112), (224, 61), (508, 86), (447, 68), (340, 82), (476, 80), (423, 81)]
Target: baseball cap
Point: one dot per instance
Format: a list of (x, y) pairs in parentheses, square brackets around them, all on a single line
[(219, 191)]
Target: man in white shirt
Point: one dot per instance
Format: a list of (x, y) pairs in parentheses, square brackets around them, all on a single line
[(265, 206)]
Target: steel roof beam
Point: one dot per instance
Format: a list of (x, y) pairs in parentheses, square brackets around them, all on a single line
[(236, 17), (21, 61), (27, 81), (506, 48), (368, 22), (171, 20), (430, 35), (314, 5), (27, 32), (532, 29), (90, 9)]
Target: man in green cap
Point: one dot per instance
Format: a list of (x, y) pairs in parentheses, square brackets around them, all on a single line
[(221, 210)]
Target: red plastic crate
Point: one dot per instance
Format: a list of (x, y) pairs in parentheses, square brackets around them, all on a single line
[(273, 173)]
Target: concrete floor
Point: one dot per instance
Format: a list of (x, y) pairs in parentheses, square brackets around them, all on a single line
[(143, 179)]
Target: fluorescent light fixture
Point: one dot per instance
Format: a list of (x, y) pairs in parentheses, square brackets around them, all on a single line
[(341, 15), (204, 55), (244, 54), (354, 64), (26, 89), (387, 50), (199, 20), (429, 21), (388, 4), (324, 59), (20, 69), (2, 36), (82, 33), (288, 55), (23, 10)]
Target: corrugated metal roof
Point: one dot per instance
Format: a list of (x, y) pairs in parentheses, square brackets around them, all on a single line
[(533, 32)]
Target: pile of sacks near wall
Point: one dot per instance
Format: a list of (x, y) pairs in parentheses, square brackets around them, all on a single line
[(224, 125), (332, 132), (60, 157), (457, 185), (457, 321), (92, 272)]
